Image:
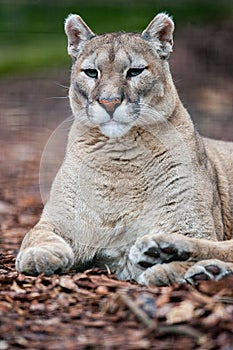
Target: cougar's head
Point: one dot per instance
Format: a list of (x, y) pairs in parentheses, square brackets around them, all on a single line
[(119, 78)]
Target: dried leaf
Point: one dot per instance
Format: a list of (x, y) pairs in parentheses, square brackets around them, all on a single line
[(5, 307), (15, 287), (102, 290), (181, 313), (164, 297), (213, 287), (67, 283), (218, 313)]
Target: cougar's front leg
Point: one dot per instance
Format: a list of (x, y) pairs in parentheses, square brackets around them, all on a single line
[(44, 251), (162, 248)]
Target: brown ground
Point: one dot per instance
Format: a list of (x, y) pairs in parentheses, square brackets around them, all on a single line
[(93, 310)]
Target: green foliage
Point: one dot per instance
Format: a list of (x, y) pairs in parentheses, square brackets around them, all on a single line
[(32, 37)]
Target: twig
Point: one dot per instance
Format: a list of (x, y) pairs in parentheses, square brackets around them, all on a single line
[(226, 300), (138, 312), (152, 325), (184, 330)]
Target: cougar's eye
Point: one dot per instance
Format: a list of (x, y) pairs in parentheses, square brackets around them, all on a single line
[(91, 73), (133, 72)]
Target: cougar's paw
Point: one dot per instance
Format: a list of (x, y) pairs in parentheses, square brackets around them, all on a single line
[(151, 250), (47, 259), (205, 270), (163, 274)]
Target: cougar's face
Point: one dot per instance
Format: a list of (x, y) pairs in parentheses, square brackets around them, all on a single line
[(113, 79)]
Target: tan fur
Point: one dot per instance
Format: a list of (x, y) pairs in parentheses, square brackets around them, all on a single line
[(139, 190)]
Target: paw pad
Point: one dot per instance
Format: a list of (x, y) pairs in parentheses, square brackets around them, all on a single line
[(153, 252), (201, 277), (215, 270), (145, 264)]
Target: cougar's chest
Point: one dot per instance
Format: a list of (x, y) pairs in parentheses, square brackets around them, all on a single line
[(114, 188)]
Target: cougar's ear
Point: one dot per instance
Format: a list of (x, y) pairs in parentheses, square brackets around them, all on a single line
[(160, 33), (78, 33)]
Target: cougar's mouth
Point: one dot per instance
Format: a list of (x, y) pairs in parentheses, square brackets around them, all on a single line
[(113, 122), (113, 128)]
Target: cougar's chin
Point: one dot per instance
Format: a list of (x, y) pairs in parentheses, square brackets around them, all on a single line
[(114, 129)]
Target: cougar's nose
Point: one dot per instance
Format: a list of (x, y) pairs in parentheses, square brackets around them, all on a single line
[(110, 104)]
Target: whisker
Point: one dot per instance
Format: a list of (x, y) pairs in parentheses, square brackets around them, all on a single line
[(149, 115), (63, 86), (57, 97)]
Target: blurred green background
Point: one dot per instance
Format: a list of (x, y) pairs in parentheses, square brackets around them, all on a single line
[(31, 31)]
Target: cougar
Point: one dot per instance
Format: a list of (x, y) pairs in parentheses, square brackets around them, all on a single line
[(139, 190)]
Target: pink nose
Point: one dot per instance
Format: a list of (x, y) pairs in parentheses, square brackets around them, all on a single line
[(110, 104)]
